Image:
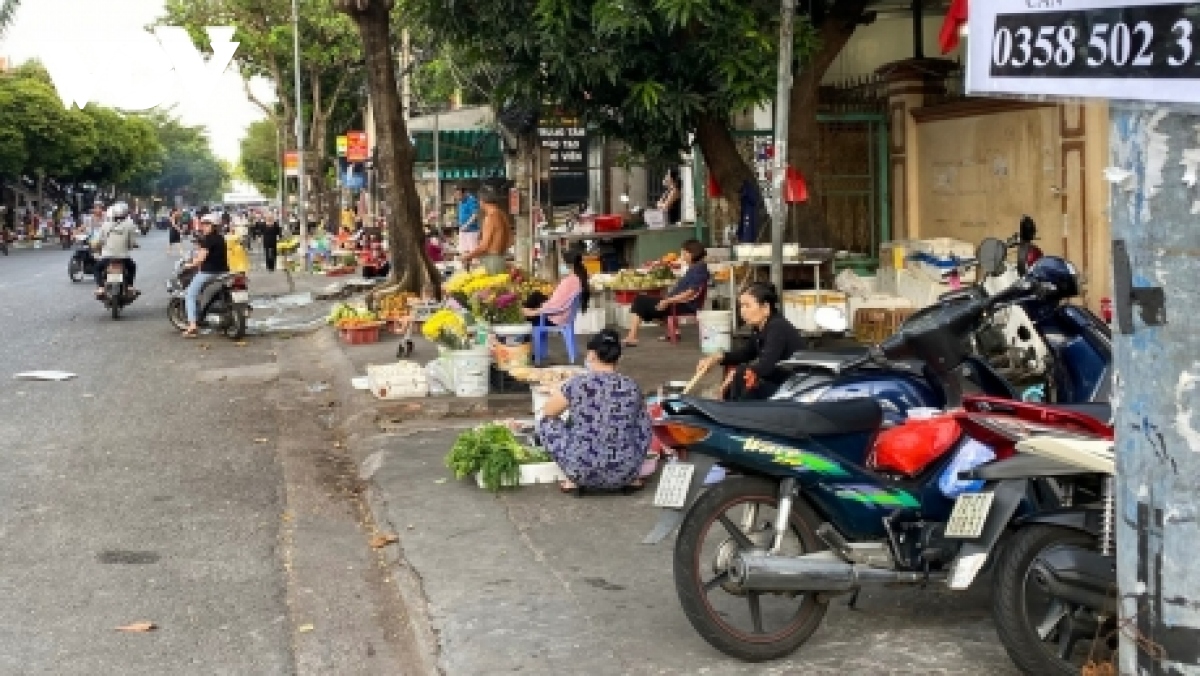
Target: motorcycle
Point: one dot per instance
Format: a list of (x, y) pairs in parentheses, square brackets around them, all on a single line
[(820, 518), (223, 304), (1054, 601), (64, 237), (83, 261), (116, 291)]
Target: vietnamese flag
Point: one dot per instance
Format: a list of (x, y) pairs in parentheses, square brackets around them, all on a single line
[(956, 17)]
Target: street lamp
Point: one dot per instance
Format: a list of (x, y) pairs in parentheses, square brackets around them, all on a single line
[(302, 193)]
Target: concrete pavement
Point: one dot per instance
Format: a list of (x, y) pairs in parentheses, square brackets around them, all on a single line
[(191, 484)]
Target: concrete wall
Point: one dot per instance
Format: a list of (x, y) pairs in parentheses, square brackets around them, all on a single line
[(885, 41)]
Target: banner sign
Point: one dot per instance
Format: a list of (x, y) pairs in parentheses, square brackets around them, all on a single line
[(1114, 49), (566, 138), (342, 144), (356, 146), (291, 163)]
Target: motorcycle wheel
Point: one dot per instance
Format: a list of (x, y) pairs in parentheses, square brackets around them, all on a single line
[(177, 314), (237, 324), (734, 621), (1043, 635), (115, 306), (75, 270)]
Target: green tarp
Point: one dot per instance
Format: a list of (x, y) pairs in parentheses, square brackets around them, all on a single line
[(462, 154)]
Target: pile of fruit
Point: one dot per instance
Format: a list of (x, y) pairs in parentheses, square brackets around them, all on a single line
[(630, 280), (346, 316), (529, 286), (396, 305)]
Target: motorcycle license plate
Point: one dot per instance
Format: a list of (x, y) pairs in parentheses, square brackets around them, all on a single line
[(241, 296), (115, 278), (969, 515), (673, 485)]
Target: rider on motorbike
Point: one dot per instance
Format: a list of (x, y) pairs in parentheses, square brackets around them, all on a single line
[(117, 237)]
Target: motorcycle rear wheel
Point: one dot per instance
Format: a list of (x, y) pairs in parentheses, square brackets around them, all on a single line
[(691, 564), (177, 314), (237, 324), (75, 270), (1019, 631)]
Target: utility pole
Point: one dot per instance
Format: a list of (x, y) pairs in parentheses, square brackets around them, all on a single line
[(302, 191), (783, 96), (1156, 258)]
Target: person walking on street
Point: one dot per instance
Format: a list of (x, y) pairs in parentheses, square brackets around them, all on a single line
[(212, 260), (175, 233), (271, 232)]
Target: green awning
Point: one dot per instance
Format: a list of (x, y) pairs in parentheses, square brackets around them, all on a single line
[(462, 154)]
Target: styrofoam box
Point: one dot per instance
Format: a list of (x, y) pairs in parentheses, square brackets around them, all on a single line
[(402, 380), (873, 302), (619, 315), (535, 473), (720, 254)]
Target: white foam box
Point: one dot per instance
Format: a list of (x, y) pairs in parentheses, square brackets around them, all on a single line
[(402, 380), (534, 473), (592, 321)]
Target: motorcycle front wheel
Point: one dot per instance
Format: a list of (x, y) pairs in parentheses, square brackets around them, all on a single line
[(237, 323), (735, 515), (75, 270), (177, 314), (1044, 635)]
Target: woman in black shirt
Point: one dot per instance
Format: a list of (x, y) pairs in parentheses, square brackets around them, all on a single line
[(757, 374)]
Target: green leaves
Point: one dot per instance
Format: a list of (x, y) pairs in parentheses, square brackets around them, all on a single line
[(260, 156)]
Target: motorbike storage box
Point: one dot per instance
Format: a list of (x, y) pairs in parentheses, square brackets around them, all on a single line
[(911, 447)]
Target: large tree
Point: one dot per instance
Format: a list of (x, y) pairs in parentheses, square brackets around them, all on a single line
[(189, 170), (260, 156), (411, 267), (8, 13)]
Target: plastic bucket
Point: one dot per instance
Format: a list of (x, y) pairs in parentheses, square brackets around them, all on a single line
[(470, 369), (514, 345), (716, 332)]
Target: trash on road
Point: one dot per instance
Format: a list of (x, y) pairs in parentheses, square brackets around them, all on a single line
[(383, 540), (44, 375), (138, 628)]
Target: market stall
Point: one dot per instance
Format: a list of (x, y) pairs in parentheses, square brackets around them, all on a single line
[(634, 247)]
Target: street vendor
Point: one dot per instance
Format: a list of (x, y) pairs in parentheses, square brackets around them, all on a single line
[(756, 373), (603, 444), (497, 235), (683, 295)]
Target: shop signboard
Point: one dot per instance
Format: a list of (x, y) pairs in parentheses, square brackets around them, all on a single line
[(356, 146), (1146, 50), (291, 163), (566, 139)]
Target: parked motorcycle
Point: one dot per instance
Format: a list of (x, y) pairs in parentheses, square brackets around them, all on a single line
[(116, 291), (224, 302), (83, 261), (816, 517), (1054, 599)]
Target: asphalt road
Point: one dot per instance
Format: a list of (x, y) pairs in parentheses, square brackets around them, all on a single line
[(131, 493)]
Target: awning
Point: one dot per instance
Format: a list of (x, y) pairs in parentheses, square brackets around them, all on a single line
[(462, 154)]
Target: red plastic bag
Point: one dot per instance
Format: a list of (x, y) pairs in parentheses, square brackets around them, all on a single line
[(714, 188), (911, 447), (795, 187)]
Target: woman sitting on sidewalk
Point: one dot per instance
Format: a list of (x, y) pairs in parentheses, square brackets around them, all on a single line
[(647, 308), (570, 286), (604, 442)]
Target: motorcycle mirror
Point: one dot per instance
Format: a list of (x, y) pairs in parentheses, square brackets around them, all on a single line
[(991, 257), (829, 318)]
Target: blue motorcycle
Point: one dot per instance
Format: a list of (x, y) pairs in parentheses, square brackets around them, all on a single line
[(806, 514)]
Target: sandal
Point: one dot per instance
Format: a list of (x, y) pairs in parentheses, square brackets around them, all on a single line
[(190, 333), (569, 488)]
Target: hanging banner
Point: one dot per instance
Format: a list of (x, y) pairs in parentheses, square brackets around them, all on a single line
[(342, 144), (291, 163), (1113, 49), (356, 146)]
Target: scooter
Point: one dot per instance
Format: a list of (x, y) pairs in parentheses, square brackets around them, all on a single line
[(810, 514), (116, 294), (83, 261), (224, 302)]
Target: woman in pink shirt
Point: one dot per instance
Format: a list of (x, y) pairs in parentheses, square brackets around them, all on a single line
[(570, 286)]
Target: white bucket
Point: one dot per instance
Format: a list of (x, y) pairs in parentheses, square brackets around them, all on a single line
[(470, 372), (716, 331)]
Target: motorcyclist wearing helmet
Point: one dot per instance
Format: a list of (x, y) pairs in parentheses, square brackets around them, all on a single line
[(118, 236)]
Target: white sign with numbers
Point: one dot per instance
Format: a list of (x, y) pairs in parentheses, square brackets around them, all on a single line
[(969, 515), (1145, 50)]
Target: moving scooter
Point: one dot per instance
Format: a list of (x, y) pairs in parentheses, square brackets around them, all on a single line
[(83, 261), (117, 293), (223, 304)]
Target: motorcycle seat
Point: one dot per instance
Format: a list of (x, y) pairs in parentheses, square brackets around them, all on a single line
[(1100, 410), (788, 419)]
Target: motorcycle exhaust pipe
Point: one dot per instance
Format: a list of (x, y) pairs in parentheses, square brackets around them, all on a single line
[(823, 572), (1078, 575)]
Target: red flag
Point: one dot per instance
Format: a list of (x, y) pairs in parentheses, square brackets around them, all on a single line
[(956, 17)]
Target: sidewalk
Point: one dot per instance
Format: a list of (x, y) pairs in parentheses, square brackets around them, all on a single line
[(542, 583)]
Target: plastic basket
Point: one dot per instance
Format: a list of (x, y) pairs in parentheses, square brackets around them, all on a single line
[(360, 335)]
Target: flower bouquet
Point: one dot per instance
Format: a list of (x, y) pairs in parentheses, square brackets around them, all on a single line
[(447, 329)]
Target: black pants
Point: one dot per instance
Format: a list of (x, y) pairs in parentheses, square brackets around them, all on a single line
[(535, 301), (102, 270), (376, 272), (270, 253), (738, 391), (646, 307)]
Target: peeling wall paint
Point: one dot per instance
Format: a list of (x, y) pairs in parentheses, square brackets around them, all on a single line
[(1185, 398)]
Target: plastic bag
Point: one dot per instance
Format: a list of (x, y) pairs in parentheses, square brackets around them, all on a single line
[(910, 448), (970, 455), (852, 285)]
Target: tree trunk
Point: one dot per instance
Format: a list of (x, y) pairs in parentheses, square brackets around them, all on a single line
[(728, 166), (803, 129), (411, 267)]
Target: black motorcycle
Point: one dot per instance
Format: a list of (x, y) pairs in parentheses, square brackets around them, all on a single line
[(83, 261), (117, 293), (223, 304)]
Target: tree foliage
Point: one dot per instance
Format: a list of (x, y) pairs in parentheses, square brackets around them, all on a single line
[(260, 156), (8, 12)]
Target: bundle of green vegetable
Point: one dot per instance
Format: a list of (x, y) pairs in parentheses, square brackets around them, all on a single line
[(494, 452)]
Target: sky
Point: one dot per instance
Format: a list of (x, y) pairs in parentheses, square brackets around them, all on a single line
[(42, 27)]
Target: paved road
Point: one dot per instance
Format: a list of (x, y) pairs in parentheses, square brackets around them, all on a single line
[(131, 493)]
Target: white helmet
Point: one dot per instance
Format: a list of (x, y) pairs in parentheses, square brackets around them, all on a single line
[(119, 210)]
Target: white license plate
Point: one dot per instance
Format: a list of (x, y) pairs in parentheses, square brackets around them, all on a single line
[(673, 485), (969, 515), (115, 278), (241, 296)]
